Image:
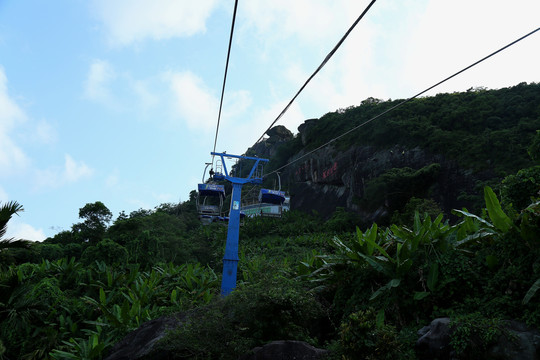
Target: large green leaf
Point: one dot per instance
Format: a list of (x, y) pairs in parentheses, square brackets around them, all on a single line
[(377, 265), (391, 284), (379, 320), (419, 295), (370, 237), (102, 297), (433, 276), (534, 288), (468, 215), (495, 212)]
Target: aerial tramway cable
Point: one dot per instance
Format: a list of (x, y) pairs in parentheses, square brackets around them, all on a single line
[(225, 76), (407, 100), (330, 54)]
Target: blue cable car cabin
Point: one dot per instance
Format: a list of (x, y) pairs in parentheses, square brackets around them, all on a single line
[(271, 203), (268, 196), (210, 202)]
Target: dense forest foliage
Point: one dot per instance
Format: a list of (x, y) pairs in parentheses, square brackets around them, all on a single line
[(481, 129), (437, 151), (360, 291)]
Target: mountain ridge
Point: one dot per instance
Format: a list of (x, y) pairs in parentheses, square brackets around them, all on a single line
[(471, 139)]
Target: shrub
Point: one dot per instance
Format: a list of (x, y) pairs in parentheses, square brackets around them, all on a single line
[(518, 190), (250, 316), (365, 336), (473, 334)]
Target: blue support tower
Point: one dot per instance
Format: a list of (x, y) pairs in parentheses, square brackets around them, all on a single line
[(230, 260)]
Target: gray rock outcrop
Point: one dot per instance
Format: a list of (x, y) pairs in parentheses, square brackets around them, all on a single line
[(517, 342), (139, 344)]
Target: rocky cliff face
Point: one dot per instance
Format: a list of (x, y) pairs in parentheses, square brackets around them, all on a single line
[(328, 179), (370, 181), (267, 148)]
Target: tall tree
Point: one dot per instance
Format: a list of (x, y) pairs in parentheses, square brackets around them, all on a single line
[(96, 218)]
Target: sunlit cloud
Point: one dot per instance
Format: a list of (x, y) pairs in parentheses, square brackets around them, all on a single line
[(19, 230), (196, 105), (236, 103), (71, 172), (10, 112), (12, 157), (193, 101), (439, 46), (310, 21), (132, 21), (98, 80), (75, 170), (238, 138)]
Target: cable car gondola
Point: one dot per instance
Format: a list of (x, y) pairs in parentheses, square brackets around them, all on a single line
[(271, 203), (210, 202), (210, 197)]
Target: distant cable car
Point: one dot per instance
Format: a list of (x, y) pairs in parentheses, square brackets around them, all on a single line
[(271, 203), (268, 196), (210, 197)]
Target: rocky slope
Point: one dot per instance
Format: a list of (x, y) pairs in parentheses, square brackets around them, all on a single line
[(369, 181)]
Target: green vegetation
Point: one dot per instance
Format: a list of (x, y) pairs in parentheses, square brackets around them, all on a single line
[(483, 130), (444, 148), (474, 333), (359, 291), (363, 292)]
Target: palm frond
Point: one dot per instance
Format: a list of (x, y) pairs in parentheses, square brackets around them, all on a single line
[(7, 210)]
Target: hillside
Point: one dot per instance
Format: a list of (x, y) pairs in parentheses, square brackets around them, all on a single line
[(439, 150)]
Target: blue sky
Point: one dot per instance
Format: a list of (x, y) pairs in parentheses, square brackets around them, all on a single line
[(117, 100)]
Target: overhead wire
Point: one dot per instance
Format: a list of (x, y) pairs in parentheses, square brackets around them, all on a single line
[(225, 76), (405, 101), (330, 54)]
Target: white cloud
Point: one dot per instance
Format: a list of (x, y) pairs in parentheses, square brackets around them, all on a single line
[(71, 172), (439, 45), (74, 171), (12, 158), (348, 78), (193, 101), (238, 138), (195, 104), (236, 103), (132, 21), (19, 230), (311, 21), (297, 36), (97, 85), (397, 50), (9, 110)]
